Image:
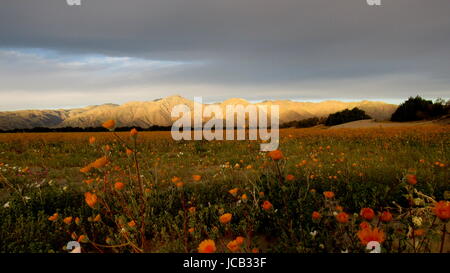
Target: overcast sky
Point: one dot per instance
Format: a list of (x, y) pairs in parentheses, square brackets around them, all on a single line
[(56, 56)]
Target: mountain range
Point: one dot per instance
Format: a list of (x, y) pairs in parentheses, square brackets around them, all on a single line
[(157, 112)]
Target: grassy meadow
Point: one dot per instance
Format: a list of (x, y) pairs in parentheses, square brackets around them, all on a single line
[(322, 191)]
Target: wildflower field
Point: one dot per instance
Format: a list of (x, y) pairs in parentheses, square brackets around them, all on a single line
[(322, 191)]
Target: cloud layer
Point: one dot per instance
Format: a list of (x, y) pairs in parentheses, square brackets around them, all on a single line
[(54, 55)]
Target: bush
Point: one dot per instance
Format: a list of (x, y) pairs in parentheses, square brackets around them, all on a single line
[(346, 116), (304, 123), (419, 109)]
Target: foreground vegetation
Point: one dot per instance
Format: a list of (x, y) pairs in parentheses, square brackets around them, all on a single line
[(322, 191)]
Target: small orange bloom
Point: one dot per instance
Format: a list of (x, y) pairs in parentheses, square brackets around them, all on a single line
[(233, 191), (176, 179), (196, 177), (419, 232), (100, 163), (91, 199), (86, 169), (364, 225), (54, 217), (89, 181), (244, 197), (267, 205), (226, 218), (119, 186), (207, 246), (275, 155), (342, 217), (191, 230), (132, 224), (386, 216), (91, 140), (68, 220), (180, 184), (97, 218), (328, 194), (411, 179), (368, 234), (83, 239), (240, 240), (233, 246), (192, 209), (290, 177), (129, 152), (255, 250), (110, 124), (316, 215), (442, 210), (133, 132), (367, 213), (77, 220)]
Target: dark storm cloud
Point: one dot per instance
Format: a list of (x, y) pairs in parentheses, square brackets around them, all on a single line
[(277, 45)]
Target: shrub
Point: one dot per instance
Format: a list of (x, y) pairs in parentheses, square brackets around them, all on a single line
[(346, 116), (419, 109)]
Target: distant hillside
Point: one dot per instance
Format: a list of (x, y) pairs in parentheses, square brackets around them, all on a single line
[(149, 113)]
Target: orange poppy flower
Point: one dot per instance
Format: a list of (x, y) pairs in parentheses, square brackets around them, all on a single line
[(110, 124), (233, 246), (226, 218), (367, 213), (442, 210), (255, 250), (100, 163), (133, 132), (368, 234), (411, 179), (328, 194), (97, 218), (290, 177), (364, 225), (419, 232), (83, 239), (244, 197), (77, 220), (176, 179), (89, 181), (191, 230), (207, 246), (91, 140), (119, 186), (54, 217), (316, 215), (192, 209), (233, 191), (129, 152), (132, 224), (86, 169), (267, 205), (275, 155), (196, 177), (240, 240), (342, 217), (91, 199), (68, 220), (386, 216)]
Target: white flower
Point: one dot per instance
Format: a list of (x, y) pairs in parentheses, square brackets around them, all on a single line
[(65, 188), (313, 233), (26, 198), (335, 213), (6, 205), (321, 246)]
